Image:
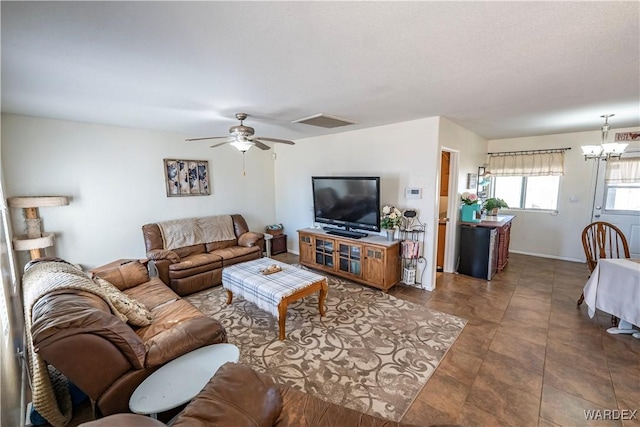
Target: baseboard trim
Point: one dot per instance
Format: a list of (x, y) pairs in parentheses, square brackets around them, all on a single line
[(581, 261)]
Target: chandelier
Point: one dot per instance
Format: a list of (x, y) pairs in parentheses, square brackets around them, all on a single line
[(606, 150)]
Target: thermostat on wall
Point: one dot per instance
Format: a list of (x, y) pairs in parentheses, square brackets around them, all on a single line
[(413, 193)]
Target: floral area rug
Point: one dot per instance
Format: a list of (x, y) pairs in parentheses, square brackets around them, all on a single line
[(371, 351)]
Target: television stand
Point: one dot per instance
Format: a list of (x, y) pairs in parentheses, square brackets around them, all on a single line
[(345, 233), (372, 260)]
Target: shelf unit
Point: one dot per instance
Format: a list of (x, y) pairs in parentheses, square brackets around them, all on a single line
[(482, 184), (411, 235), (371, 260)]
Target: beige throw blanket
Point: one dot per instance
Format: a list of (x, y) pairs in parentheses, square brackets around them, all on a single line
[(39, 279), (179, 233)]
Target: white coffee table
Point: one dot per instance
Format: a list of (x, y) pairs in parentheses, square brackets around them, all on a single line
[(180, 380)]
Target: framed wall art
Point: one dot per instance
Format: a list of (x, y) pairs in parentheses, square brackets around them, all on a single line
[(186, 177)]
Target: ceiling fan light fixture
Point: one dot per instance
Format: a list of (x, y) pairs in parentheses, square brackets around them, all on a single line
[(242, 143), (242, 137)]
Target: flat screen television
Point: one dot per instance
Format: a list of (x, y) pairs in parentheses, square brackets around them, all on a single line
[(352, 202)]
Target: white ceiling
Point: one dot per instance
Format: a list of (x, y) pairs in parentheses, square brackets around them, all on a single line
[(500, 69)]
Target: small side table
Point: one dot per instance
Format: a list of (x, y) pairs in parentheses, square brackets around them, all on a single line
[(279, 244), (267, 244), (180, 380)]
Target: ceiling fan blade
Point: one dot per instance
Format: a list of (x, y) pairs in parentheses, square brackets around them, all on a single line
[(208, 137), (284, 141), (260, 145), (219, 144)]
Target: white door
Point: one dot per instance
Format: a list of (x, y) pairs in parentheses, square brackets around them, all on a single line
[(618, 205)]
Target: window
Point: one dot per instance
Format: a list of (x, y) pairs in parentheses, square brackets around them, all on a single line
[(622, 185), (622, 197), (527, 179), (528, 192)]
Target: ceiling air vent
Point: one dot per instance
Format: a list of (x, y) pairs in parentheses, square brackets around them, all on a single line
[(324, 121)]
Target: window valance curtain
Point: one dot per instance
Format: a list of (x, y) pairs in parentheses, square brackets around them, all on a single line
[(623, 171), (527, 164)]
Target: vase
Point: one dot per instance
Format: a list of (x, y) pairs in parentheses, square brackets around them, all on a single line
[(468, 213), (390, 233)]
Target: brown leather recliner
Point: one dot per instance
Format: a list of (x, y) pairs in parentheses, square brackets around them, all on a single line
[(193, 268), (76, 332), (238, 396)]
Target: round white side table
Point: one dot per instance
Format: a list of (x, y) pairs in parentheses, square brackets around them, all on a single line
[(180, 380), (267, 243)]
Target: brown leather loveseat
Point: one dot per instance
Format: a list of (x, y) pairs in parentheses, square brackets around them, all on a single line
[(238, 396), (190, 253), (76, 331)]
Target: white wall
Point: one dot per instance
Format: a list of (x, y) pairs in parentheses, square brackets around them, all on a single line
[(549, 234), (404, 155), (115, 177)]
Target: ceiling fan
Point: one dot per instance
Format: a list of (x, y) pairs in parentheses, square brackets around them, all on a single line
[(241, 137)]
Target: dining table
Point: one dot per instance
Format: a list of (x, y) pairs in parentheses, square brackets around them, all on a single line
[(614, 287)]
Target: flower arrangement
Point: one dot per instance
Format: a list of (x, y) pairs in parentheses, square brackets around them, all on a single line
[(469, 198), (391, 217)]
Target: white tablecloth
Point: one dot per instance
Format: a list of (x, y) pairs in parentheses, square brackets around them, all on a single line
[(614, 287)]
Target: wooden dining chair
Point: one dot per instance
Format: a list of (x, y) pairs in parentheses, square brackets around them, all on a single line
[(603, 240)]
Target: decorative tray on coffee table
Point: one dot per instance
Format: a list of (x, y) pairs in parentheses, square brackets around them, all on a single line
[(271, 269)]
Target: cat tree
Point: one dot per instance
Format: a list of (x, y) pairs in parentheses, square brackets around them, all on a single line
[(35, 239)]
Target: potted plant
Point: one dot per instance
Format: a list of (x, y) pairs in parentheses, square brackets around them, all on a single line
[(492, 205)]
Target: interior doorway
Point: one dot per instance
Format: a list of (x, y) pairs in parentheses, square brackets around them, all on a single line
[(443, 208), (445, 247)]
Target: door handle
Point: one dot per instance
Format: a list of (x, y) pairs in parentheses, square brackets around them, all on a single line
[(597, 216)]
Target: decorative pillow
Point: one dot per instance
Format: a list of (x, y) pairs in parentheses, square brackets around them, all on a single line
[(133, 311)]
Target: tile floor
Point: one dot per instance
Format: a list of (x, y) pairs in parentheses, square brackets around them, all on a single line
[(528, 355)]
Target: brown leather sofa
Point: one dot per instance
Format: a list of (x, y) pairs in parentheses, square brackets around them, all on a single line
[(238, 396), (196, 267), (76, 332)]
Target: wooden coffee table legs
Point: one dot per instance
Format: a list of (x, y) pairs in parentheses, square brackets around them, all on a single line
[(320, 286), (314, 287)]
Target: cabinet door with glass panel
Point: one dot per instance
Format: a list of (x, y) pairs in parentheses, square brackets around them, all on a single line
[(324, 249), (350, 259)]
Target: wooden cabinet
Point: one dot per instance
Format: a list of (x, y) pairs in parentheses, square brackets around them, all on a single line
[(375, 265), (504, 236), (371, 260), (305, 244), (279, 244)]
